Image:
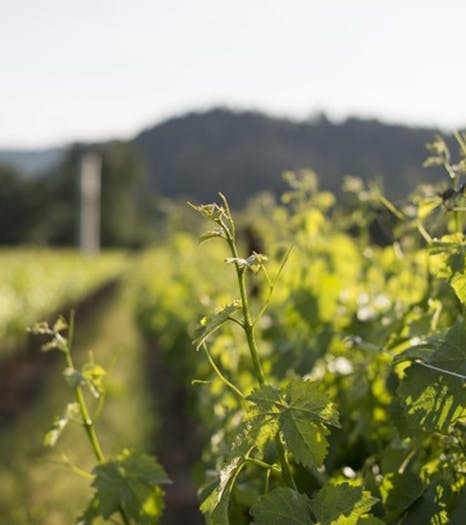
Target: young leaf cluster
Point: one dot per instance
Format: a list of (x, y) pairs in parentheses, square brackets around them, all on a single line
[(283, 427), (126, 486)]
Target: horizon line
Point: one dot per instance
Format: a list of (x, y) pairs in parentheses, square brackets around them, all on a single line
[(313, 117)]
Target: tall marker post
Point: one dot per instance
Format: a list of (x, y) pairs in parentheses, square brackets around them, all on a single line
[(90, 184)]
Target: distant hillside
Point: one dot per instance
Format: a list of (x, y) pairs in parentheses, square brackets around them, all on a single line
[(240, 153), (32, 162), (195, 156), (198, 154)]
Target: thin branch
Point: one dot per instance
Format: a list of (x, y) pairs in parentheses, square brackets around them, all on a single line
[(239, 323), (425, 234), (228, 214), (264, 465), (267, 277), (272, 285), (441, 370), (100, 406), (369, 346), (77, 470), (404, 464), (391, 207), (267, 481), (222, 378)]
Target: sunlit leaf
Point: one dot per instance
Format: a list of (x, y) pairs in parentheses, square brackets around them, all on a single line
[(342, 504), (212, 234), (59, 425), (430, 400), (399, 491), (282, 506), (210, 324), (300, 412), (129, 482), (215, 501)]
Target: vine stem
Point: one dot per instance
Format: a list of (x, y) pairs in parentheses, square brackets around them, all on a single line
[(78, 392), (248, 327), (87, 421), (286, 471), (220, 375), (457, 214), (263, 465)]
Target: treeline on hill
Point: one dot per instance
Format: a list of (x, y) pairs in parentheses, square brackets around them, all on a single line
[(240, 154), (45, 210)]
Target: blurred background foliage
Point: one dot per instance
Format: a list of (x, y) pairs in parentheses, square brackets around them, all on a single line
[(192, 157)]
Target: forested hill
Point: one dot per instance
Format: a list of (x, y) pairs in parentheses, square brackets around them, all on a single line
[(198, 154), (195, 156), (240, 153)]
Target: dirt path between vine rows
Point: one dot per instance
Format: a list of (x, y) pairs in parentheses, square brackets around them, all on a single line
[(24, 371), (145, 408), (178, 446)]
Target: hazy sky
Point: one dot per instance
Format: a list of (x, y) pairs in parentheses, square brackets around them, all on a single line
[(91, 69)]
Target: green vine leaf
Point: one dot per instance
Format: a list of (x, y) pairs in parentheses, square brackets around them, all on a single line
[(212, 234), (370, 520), (41, 328), (216, 497), (399, 492), (306, 440), (210, 324), (254, 262), (210, 211), (342, 504), (129, 482), (59, 425), (94, 375), (434, 398), (427, 206), (459, 510), (58, 341), (431, 401), (282, 506), (60, 324), (301, 411), (267, 399), (261, 421), (239, 261), (451, 252), (305, 397), (446, 351)]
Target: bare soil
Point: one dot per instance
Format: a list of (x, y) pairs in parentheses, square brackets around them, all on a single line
[(26, 369), (178, 441)]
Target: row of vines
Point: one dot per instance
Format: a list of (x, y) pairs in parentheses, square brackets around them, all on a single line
[(36, 283), (322, 345), (329, 364)]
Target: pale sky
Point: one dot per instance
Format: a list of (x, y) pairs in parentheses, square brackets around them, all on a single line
[(95, 69)]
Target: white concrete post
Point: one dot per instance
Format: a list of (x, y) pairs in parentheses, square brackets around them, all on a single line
[(89, 230)]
